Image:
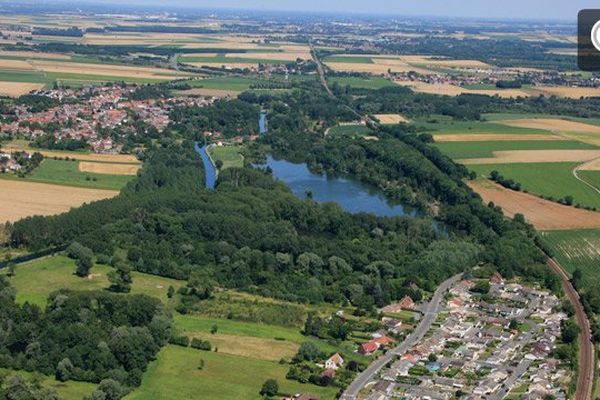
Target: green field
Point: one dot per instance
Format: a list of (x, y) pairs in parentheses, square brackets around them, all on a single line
[(174, 375), (70, 390), (350, 130), (66, 173), (35, 280), (226, 83), (229, 155), (505, 116), (348, 59), (577, 249), (223, 60), (546, 179), (479, 149), (441, 125), (48, 78), (361, 83)]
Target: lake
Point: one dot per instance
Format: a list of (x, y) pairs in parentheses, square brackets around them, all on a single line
[(352, 196)]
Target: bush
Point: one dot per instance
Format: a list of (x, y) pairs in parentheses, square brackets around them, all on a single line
[(183, 341), (201, 344)]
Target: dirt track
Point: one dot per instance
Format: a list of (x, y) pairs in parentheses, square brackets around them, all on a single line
[(585, 378)]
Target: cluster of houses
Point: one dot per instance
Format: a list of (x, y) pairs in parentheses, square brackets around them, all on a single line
[(479, 76), (84, 113), (484, 349)]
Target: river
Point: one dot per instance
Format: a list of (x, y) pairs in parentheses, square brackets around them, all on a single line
[(210, 172), (262, 123), (352, 196)]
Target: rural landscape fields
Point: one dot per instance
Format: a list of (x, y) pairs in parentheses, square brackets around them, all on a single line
[(257, 291)]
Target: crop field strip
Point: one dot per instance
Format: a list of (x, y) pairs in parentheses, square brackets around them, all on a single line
[(493, 151), (542, 214), (545, 179), (21, 199)]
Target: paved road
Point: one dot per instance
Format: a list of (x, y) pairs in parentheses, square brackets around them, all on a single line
[(320, 68), (585, 377), (433, 309)]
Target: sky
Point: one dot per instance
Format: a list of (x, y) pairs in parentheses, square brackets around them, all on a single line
[(518, 9)]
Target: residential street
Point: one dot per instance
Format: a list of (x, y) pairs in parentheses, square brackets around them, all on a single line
[(431, 313)]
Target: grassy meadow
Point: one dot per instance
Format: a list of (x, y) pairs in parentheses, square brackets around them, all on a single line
[(229, 155), (545, 179), (361, 83), (175, 374), (67, 173), (350, 130), (477, 149), (35, 280), (70, 390)]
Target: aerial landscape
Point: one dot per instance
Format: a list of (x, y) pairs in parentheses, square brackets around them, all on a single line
[(318, 201)]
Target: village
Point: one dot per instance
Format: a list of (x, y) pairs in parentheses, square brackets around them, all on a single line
[(93, 115), (482, 346)]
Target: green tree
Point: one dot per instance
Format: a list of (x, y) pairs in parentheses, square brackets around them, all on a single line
[(270, 388), (120, 278), (64, 369), (214, 329), (170, 292)]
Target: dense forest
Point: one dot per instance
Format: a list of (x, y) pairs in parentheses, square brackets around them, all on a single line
[(86, 336), (253, 234)]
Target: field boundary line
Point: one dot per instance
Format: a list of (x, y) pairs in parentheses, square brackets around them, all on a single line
[(576, 175)]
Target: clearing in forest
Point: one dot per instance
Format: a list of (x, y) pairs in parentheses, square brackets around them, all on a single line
[(389, 119)]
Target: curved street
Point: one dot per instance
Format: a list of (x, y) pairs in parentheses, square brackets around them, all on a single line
[(429, 317)]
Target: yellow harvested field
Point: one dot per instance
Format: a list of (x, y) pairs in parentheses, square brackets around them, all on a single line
[(15, 64), (566, 91), (107, 158), (379, 67), (552, 124), (107, 168), (444, 63), (247, 346), (16, 89), (495, 137), (34, 54), (104, 69), (593, 165), (452, 90), (534, 156), (389, 119), (208, 92), (543, 214), (24, 199)]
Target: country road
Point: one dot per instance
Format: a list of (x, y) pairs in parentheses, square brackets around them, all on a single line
[(585, 378), (429, 317), (320, 68), (579, 168)]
